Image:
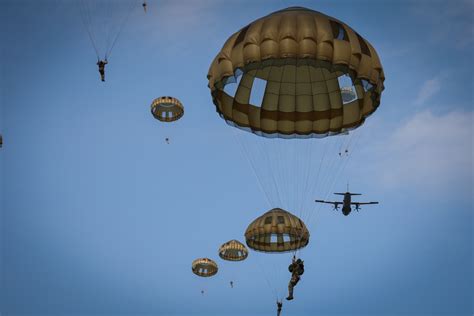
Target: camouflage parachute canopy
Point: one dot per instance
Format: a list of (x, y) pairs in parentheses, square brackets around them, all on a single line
[(167, 109), (233, 251), (204, 267), (305, 59), (277, 231)]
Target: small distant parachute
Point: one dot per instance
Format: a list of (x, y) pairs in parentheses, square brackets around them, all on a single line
[(204, 267), (233, 250), (277, 231), (167, 109)]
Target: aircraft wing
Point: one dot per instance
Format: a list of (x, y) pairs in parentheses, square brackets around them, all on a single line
[(363, 203), (327, 202)]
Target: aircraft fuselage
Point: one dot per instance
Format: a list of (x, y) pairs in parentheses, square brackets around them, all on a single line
[(346, 204)]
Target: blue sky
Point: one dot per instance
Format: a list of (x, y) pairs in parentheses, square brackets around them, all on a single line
[(100, 217)]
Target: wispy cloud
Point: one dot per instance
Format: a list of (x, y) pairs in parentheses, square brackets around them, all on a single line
[(449, 22), (428, 151), (428, 90)]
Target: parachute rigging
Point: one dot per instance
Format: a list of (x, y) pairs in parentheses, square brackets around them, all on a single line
[(233, 251), (284, 82), (104, 21), (205, 268), (167, 109)]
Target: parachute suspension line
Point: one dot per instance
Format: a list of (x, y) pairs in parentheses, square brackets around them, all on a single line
[(302, 161), (309, 162), (293, 173), (284, 154), (92, 26), (268, 162), (322, 172), (108, 26), (346, 155), (269, 283), (346, 152), (355, 141), (287, 169), (109, 50), (341, 146), (262, 167), (332, 165), (298, 158), (356, 135), (344, 148), (297, 176), (279, 276), (350, 146), (245, 154), (313, 187), (324, 180), (278, 171), (310, 174), (87, 21), (309, 169), (349, 154), (284, 168)]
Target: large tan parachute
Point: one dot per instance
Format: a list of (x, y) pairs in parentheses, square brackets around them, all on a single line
[(303, 57), (204, 267), (277, 231), (233, 251), (167, 109)]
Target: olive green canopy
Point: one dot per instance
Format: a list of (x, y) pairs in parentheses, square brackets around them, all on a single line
[(233, 250), (167, 109), (302, 56), (204, 267), (277, 231)]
